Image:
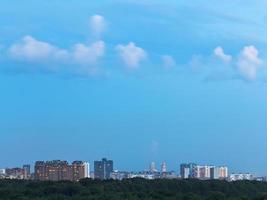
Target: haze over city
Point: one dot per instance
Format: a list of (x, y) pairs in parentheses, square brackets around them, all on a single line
[(134, 81)]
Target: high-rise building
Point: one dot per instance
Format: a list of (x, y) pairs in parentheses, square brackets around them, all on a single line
[(223, 172), (27, 171), (152, 167), (203, 172), (57, 170), (188, 170), (215, 173), (185, 171), (103, 169), (78, 168), (163, 167), (219, 173), (39, 171), (86, 170)]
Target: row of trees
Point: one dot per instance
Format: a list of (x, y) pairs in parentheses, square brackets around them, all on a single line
[(133, 189)]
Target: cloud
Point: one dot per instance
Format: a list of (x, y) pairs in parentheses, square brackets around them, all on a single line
[(88, 55), (30, 49), (131, 55), (219, 53), (98, 25), (249, 63), (84, 57), (168, 61)]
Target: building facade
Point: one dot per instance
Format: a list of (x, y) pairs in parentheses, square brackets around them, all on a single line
[(152, 167), (86, 170), (27, 171), (241, 177), (188, 170), (15, 173), (163, 167), (103, 169), (58, 170)]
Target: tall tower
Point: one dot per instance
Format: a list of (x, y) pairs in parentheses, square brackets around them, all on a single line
[(163, 167), (152, 167)]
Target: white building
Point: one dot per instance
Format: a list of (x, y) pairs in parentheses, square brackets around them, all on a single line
[(219, 173), (203, 172), (118, 175), (163, 167), (223, 172), (152, 167), (186, 173), (2, 171), (142, 175), (241, 177), (86, 169)]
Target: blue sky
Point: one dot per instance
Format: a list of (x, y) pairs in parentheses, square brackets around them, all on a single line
[(135, 81)]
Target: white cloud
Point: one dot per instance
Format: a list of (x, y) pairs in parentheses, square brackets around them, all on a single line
[(131, 54), (249, 62), (98, 24), (85, 57), (83, 54), (168, 61), (219, 53), (31, 49)]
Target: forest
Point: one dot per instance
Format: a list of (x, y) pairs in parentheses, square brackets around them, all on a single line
[(133, 189)]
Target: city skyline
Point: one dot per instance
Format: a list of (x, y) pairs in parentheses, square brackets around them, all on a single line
[(151, 166), (134, 80), (62, 170)]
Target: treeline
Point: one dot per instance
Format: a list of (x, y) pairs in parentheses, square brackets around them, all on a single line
[(133, 189)]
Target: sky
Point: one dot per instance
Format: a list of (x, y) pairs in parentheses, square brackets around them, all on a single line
[(135, 81)]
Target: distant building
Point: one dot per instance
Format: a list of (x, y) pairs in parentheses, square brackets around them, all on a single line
[(184, 171), (103, 169), (27, 171), (152, 167), (260, 179), (86, 170), (144, 174), (188, 170), (117, 175), (14, 173), (203, 172), (168, 175), (163, 167), (78, 170), (223, 172), (57, 170), (2, 171), (40, 173), (241, 177), (219, 173), (215, 173)]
